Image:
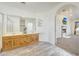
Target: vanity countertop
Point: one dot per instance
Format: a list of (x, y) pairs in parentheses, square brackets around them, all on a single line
[(19, 34)]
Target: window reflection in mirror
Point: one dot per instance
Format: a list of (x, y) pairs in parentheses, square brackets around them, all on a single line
[(13, 24), (9, 25)]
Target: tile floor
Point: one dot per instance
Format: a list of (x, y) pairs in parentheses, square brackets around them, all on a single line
[(69, 44), (38, 49)]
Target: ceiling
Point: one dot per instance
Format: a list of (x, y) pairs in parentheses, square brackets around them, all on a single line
[(36, 7)]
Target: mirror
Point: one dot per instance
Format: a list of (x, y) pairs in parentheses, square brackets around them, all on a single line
[(9, 25), (20, 25), (28, 25), (13, 24)]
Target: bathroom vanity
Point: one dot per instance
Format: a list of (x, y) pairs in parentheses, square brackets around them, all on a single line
[(18, 32), (15, 41)]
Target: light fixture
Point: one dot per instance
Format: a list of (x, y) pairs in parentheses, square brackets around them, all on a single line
[(23, 2)]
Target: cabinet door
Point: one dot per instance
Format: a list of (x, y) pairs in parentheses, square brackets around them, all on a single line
[(35, 37), (22, 42), (7, 44), (15, 43)]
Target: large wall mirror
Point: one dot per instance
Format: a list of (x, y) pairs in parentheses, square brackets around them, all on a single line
[(20, 25)]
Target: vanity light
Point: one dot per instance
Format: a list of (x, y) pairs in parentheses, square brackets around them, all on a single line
[(23, 2)]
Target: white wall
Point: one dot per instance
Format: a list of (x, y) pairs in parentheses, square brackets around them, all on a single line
[(44, 28)]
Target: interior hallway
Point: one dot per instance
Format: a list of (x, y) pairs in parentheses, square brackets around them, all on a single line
[(38, 49)]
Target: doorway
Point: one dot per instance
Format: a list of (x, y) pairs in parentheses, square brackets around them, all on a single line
[(65, 22), (67, 29)]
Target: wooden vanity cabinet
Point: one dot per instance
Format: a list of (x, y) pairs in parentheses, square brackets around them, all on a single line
[(11, 42)]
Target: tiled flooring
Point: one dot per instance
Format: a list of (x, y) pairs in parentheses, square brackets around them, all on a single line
[(38, 49), (69, 44)]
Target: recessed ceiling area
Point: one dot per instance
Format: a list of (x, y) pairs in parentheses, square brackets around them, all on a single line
[(36, 7)]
